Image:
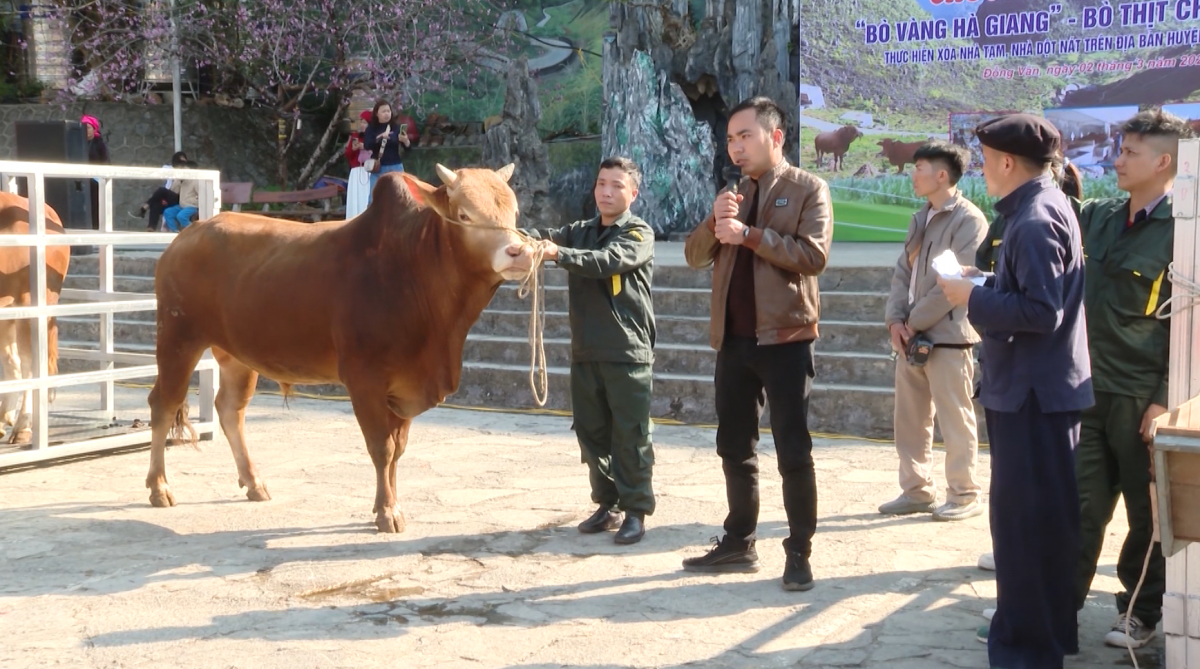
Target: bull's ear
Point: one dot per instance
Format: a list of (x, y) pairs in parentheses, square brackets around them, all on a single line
[(506, 172), (426, 195)]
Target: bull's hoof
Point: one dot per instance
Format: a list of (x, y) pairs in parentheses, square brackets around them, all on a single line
[(390, 521), (21, 437), (258, 494), (162, 498)]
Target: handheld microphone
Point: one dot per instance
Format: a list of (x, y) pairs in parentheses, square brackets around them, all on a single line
[(732, 174)]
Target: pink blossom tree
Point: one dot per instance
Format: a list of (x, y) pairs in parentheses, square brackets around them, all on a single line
[(289, 56)]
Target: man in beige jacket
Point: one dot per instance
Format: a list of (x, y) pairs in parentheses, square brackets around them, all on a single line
[(938, 377)]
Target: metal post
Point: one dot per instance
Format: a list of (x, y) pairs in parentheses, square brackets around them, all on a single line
[(1181, 601), (37, 298), (176, 88), (108, 388)]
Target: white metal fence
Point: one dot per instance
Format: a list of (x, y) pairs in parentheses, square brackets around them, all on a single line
[(105, 301)]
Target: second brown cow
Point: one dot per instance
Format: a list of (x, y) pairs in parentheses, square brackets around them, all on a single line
[(899, 153)]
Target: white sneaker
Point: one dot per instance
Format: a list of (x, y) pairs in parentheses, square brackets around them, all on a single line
[(1131, 633), (987, 562), (988, 614), (951, 511)]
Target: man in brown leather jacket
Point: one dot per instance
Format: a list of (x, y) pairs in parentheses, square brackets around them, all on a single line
[(767, 241)]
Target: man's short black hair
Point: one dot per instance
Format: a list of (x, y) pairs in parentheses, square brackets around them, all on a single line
[(950, 157), (1157, 123), (769, 115), (625, 165)]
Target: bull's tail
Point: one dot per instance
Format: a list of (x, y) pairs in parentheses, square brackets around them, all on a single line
[(181, 429)]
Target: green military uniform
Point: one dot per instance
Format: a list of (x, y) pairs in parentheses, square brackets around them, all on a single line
[(1126, 283), (989, 250), (612, 353)]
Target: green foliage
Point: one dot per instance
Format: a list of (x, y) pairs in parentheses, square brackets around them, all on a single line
[(23, 91), (567, 156), (571, 97)]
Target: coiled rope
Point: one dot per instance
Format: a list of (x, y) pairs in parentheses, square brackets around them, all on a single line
[(534, 284), (1185, 294)]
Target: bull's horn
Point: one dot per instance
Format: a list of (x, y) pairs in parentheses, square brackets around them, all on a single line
[(506, 172), (446, 174)]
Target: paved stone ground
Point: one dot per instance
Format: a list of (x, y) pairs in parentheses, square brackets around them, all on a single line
[(491, 571)]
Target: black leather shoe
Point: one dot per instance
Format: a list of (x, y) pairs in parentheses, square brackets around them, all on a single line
[(797, 575), (603, 520), (632, 530), (724, 558)]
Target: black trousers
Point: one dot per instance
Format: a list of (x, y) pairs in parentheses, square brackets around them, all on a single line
[(1035, 536), (159, 201), (747, 376)]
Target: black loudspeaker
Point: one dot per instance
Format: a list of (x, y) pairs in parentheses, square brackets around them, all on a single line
[(58, 142)]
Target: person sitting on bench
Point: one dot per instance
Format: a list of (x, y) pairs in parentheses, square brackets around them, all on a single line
[(179, 216), (164, 196)]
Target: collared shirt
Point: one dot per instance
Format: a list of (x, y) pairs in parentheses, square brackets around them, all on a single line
[(1143, 214), (933, 211)]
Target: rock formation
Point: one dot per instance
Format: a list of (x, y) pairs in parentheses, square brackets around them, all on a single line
[(649, 120), (515, 139), (670, 79)]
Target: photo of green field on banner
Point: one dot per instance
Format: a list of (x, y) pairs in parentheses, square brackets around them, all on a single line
[(879, 81)]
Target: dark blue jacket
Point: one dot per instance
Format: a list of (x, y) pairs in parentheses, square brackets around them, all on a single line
[(393, 151), (1031, 309)]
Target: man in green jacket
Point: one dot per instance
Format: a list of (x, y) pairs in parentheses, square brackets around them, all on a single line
[(1128, 243), (610, 261)]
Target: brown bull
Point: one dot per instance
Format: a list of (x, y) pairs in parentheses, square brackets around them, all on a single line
[(16, 336), (899, 153), (836, 142), (380, 304)]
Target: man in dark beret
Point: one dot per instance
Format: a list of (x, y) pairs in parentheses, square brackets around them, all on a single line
[(1036, 382)]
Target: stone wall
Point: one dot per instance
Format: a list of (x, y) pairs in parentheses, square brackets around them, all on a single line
[(240, 143)]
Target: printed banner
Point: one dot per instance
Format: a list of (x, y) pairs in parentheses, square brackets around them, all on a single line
[(881, 77)]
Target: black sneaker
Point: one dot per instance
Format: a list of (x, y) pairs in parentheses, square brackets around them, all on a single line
[(797, 575), (724, 558)]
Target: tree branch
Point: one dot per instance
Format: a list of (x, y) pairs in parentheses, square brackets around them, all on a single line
[(330, 131), (337, 155)]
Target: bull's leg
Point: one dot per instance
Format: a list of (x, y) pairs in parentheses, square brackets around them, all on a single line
[(10, 365), (381, 430), (237, 387), (168, 406), (22, 431), (400, 438)]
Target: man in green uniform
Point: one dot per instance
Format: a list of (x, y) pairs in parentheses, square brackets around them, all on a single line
[(1128, 243), (609, 261)]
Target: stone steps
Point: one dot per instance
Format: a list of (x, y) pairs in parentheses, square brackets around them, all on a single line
[(836, 336), (853, 392), (862, 306), (684, 397)]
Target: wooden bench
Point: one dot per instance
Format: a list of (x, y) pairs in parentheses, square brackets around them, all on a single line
[(236, 193), (297, 199)]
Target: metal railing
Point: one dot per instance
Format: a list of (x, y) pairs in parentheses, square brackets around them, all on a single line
[(105, 301)]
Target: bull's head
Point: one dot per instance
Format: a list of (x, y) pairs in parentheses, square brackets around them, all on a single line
[(884, 145), (485, 206)]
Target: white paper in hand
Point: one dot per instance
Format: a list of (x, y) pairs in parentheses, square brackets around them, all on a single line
[(947, 265)]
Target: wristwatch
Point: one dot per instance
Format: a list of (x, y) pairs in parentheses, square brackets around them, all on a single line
[(746, 231)]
